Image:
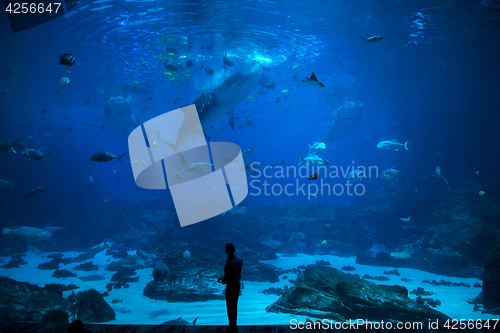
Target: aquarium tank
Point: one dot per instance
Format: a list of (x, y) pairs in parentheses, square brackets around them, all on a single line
[(250, 165)]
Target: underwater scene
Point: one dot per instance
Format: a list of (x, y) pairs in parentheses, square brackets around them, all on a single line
[(237, 163)]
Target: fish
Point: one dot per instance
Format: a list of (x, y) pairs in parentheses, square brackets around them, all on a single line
[(314, 177), (199, 167), (390, 173), (117, 114), (67, 59), (372, 39), (227, 61), (312, 159), (34, 154), (90, 179), (237, 210), (317, 146), (372, 252), (105, 156), (171, 67), (54, 229), (269, 241), (4, 183), (347, 119), (267, 82), (313, 81), (93, 277), (139, 163), (356, 174), (29, 234), (178, 99), (208, 70), (270, 85), (277, 164), (179, 321), (31, 192), (6, 145), (405, 254), (407, 219), (394, 144), (116, 301), (44, 109), (64, 81), (217, 102), (249, 151)]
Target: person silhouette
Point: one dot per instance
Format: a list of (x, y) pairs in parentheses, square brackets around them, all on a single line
[(77, 327), (231, 278)]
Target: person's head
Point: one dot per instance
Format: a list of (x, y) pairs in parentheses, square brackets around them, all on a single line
[(230, 250), (76, 327)]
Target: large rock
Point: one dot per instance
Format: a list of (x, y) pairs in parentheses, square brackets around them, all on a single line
[(92, 308), (326, 292), (491, 279), (23, 302), (180, 293)]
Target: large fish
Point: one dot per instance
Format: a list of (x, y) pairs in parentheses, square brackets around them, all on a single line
[(347, 118), (394, 144), (29, 234), (4, 146), (219, 101), (118, 113)]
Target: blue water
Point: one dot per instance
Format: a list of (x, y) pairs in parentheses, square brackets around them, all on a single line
[(432, 81)]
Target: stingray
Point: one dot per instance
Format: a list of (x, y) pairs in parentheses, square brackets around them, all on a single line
[(94, 277), (313, 81), (117, 115), (269, 241), (347, 118), (372, 252)]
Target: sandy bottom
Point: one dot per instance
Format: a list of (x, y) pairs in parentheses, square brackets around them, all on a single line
[(138, 309)]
